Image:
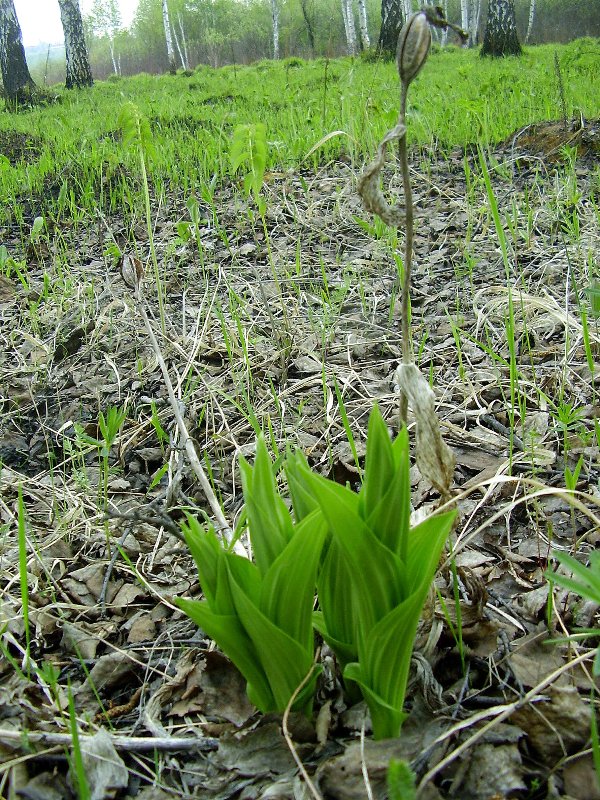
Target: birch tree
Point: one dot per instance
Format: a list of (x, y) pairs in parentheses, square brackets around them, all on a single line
[(18, 84), (275, 19), (500, 37), (168, 37), (473, 29), (363, 25), (185, 59), (349, 26), (469, 19), (392, 19), (106, 21), (79, 72), (530, 21), (310, 30)]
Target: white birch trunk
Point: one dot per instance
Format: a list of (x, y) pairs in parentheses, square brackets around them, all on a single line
[(79, 73), (531, 18), (444, 37), (348, 14), (363, 26), (473, 29), (275, 18), (464, 14), (168, 37), (111, 44), (178, 46), (183, 41)]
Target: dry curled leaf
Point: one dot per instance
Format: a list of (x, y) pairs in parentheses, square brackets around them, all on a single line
[(369, 188), (434, 458)]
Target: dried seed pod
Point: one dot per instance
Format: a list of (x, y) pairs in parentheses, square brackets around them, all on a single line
[(413, 47), (368, 185)]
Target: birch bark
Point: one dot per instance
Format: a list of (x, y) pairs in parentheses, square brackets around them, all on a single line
[(79, 72), (531, 18), (168, 37), (349, 26), (392, 19), (363, 26), (16, 79), (500, 37), (275, 18)]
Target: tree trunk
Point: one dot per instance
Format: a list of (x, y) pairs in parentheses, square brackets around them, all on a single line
[(348, 14), (168, 38), (18, 84), (179, 50), (391, 22), (500, 37), (363, 25), (116, 63), (275, 18), (531, 18), (474, 17), (444, 36), (464, 14), (186, 58), (79, 73), (309, 26)]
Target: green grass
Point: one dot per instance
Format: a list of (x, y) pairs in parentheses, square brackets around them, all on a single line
[(76, 161)]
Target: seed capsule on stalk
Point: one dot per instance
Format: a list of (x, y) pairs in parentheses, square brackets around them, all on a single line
[(413, 47)]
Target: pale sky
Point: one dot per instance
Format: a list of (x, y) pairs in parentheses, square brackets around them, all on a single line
[(40, 19)]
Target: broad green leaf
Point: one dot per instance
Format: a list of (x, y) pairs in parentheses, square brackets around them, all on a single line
[(206, 552), (288, 588), (425, 544), (390, 518), (269, 521), (378, 574), (386, 719), (283, 660), (336, 589), (344, 652), (229, 634), (379, 463), (385, 657), (249, 149), (211, 558), (303, 501)]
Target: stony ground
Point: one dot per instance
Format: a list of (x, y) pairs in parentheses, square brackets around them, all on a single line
[(261, 323)]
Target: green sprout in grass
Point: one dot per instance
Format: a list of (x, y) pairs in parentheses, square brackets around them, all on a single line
[(260, 613), (376, 572), (372, 580)]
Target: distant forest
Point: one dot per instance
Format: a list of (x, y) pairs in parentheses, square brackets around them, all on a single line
[(218, 32)]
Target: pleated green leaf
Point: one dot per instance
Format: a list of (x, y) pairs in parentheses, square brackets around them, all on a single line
[(230, 635), (425, 544), (337, 620), (288, 588), (269, 520), (379, 463), (303, 500), (377, 573), (285, 663), (385, 718)]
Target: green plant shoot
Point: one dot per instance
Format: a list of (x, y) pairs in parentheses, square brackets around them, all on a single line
[(249, 151), (376, 572), (260, 614)]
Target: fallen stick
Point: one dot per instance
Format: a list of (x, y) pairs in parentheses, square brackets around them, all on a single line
[(134, 744)]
